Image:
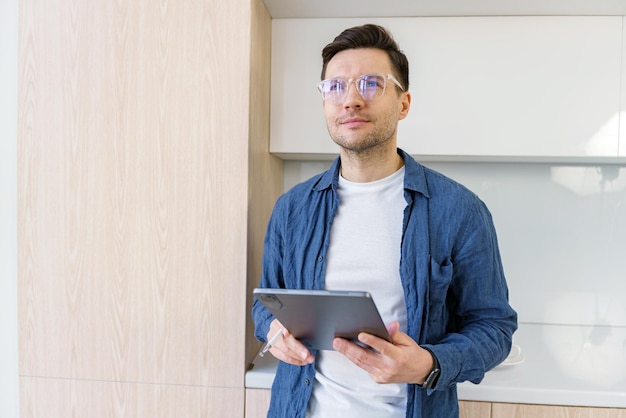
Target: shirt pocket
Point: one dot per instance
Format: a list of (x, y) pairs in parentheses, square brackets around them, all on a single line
[(437, 311)]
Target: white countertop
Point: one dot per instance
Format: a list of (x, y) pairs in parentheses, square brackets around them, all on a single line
[(559, 365)]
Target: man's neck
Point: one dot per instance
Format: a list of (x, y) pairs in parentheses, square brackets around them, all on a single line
[(361, 168)]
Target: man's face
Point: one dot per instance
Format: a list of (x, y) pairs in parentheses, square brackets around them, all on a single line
[(357, 124)]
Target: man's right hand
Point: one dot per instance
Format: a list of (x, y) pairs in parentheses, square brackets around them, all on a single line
[(287, 348)]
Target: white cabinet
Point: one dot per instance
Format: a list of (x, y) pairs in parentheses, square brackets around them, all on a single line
[(502, 88)]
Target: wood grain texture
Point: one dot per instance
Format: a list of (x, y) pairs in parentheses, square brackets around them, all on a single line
[(266, 171), (469, 409), (503, 410), (133, 191), (257, 403), (71, 398)]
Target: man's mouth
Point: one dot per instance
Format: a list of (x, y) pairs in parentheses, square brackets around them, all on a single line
[(353, 122)]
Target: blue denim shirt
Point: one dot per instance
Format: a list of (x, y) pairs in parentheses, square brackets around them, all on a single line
[(455, 290)]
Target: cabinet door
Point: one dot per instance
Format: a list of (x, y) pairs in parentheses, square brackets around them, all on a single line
[(257, 402), (470, 409), (482, 87), (548, 411)]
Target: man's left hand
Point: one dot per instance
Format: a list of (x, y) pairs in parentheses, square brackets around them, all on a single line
[(401, 361)]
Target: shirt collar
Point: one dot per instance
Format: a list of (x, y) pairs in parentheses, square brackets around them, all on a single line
[(414, 176)]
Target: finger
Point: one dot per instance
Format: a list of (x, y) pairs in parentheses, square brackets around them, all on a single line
[(292, 351), (393, 327), (401, 339), (379, 344), (275, 326), (283, 351), (296, 347), (379, 364), (364, 358), (289, 357)]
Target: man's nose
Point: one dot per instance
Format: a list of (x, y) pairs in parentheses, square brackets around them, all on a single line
[(353, 98)]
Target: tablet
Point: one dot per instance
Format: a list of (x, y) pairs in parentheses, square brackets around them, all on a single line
[(316, 317)]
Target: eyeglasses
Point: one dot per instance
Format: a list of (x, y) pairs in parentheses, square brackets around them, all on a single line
[(369, 86)]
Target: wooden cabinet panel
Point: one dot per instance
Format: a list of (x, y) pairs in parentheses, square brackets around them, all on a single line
[(135, 204), (257, 402), (469, 409), (265, 171), (60, 398), (530, 87), (133, 190), (500, 410)]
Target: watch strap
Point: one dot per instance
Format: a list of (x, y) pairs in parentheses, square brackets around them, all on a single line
[(433, 376)]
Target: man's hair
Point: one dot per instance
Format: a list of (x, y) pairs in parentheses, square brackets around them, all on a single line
[(369, 36)]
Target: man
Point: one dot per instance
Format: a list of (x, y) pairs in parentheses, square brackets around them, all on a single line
[(423, 245)]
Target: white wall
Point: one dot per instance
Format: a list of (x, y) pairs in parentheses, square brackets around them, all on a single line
[(9, 393), (561, 226), (561, 229)]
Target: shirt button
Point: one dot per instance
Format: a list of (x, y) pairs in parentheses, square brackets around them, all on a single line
[(320, 258), (307, 382)]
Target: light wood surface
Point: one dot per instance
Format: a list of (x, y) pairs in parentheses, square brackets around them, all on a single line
[(257, 402), (503, 410), (45, 398), (265, 174), (135, 139), (468, 409)]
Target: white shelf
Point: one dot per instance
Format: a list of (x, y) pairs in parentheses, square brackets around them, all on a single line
[(563, 365)]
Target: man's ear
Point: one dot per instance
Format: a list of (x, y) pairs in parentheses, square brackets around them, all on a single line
[(404, 106)]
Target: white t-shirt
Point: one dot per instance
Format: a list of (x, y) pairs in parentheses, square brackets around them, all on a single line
[(364, 254)]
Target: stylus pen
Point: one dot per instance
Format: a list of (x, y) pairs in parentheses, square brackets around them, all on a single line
[(271, 342)]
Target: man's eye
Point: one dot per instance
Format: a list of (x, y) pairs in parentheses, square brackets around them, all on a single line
[(371, 82), (335, 85)]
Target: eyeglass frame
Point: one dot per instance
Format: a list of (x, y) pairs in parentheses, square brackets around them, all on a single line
[(386, 76)]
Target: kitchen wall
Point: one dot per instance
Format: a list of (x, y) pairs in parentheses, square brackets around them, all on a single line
[(526, 112), (561, 228)]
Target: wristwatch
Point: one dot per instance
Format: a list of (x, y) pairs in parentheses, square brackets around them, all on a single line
[(431, 379)]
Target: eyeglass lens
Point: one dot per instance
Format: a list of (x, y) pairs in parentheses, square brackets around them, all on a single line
[(369, 86)]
